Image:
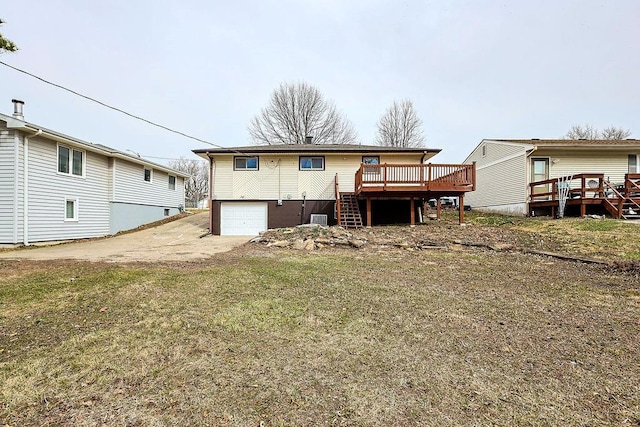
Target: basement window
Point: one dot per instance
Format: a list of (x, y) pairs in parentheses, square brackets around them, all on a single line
[(245, 163), (70, 209)]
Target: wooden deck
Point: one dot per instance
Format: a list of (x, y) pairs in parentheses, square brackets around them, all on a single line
[(420, 180), (621, 200), (412, 181)]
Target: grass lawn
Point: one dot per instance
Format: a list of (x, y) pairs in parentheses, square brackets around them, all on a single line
[(606, 239), (339, 337)]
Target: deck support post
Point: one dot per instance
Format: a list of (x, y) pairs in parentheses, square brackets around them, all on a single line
[(368, 211), (438, 207), (583, 207), (461, 209), (413, 211)]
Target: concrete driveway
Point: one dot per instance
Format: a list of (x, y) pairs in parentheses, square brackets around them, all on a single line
[(175, 241)]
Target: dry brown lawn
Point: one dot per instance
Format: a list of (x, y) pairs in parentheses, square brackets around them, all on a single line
[(381, 336)]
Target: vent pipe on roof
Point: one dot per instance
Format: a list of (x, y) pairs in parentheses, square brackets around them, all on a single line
[(308, 140), (18, 108)]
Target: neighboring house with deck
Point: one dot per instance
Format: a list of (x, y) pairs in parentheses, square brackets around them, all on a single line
[(270, 186), (521, 176), (55, 187)]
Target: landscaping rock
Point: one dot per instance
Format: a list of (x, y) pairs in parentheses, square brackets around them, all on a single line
[(298, 244), (357, 243), (279, 244), (309, 245)]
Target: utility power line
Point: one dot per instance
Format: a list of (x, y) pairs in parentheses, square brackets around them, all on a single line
[(112, 107)]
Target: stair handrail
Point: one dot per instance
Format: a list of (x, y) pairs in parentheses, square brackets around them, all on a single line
[(621, 199), (337, 190)]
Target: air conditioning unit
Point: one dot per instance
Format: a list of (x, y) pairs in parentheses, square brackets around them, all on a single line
[(320, 219)]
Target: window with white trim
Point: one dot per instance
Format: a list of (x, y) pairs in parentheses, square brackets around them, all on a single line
[(484, 151), (245, 163), (172, 182), (70, 161), (147, 174), (70, 209), (312, 163)]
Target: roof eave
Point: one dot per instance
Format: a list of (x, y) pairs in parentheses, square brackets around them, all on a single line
[(13, 123)]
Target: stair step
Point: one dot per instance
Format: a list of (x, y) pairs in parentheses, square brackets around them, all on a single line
[(349, 211)]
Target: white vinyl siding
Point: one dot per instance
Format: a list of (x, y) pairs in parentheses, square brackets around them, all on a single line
[(501, 177), (614, 165), (49, 189), (130, 186), (502, 184), (280, 177)]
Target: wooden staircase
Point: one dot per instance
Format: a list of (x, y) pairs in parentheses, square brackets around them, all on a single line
[(623, 205), (349, 216)]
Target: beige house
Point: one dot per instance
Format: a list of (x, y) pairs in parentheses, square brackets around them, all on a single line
[(597, 171), (259, 187)]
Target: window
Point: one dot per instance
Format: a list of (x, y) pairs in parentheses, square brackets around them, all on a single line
[(147, 175), (166, 212), (172, 182), (70, 209), (245, 163), (484, 150), (370, 160), (633, 164), (312, 163), (70, 161)]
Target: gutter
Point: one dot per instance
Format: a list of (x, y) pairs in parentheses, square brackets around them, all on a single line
[(26, 127), (25, 187)]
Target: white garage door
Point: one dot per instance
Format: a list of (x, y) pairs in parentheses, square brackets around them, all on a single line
[(243, 219)]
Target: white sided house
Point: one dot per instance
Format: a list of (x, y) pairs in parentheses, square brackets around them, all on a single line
[(270, 186), (521, 176), (55, 187)]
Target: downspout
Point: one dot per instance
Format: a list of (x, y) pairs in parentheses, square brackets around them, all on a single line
[(25, 188), (424, 154), (211, 166), (527, 172), (16, 186)]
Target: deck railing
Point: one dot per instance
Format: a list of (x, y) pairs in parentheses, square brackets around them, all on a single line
[(425, 177), (580, 185), (586, 185), (590, 188)]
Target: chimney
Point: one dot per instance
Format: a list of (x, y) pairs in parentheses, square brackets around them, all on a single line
[(308, 140), (17, 109)]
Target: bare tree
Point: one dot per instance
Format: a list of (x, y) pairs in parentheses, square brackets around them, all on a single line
[(196, 187), (589, 132), (613, 132), (6, 45), (297, 111), (400, 126)]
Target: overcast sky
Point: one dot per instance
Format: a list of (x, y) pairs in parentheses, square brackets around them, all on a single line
[(473, 69)]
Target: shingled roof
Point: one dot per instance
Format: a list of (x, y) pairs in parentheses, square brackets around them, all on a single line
[(315, 148), (572, 142)]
